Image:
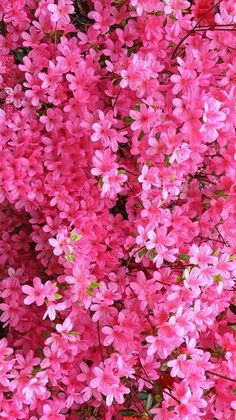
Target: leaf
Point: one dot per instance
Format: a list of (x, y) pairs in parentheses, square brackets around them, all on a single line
[(233, 327), (128, 412), (128, 120), (91, 287), (70, 257), (152, 254), (141, 135), (164, 367), (184, 257), (149, 402), (116, 82), (233, 308), (167, 161), (75, 333), (142, 395), (221, 193), (76, 237), (234, 391), (218, 278), (100, 182), (57, 296), (36, 370), (142, 252), (165, 22)]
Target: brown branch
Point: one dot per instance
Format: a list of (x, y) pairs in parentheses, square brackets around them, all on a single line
[(193, 29)]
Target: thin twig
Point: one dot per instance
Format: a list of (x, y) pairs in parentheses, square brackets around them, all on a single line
[(99, 341), (193, 29), (221, 376)]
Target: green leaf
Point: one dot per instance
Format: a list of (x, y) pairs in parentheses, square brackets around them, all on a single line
[(221, 193), (116, 82), (184, 257), (76, 237), (91, 287), (149, 402), (218, 278), (128, 412), (141, 135), (233, 327), (121, 171), (100, 182), (36, 370), (46, 334), (167, 161), (152, 254), (128, 120), (70, 257), (142, 395), (216, 253), (75, 333), (142, 252), (234, 391), (164, 367), (57, 296)]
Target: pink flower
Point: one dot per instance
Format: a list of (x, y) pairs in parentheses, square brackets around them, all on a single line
[(36, 388), (51, 412), (62, 243), (52, 121), (202, 255), (149, 177), (213, 119), (102, 17), (60, 12), (175, 6), (52, 78), (112, 183), (65, 329), (37, 293), (181, 154), (182, 321), (103, 162), (143, 119), (108, 384), (177, 366)]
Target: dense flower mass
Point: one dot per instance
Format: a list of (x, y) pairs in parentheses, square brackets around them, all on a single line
[(118, 209)]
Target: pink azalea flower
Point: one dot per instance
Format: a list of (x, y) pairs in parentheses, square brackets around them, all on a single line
[(60, 12), (37, 293), (143, 119)]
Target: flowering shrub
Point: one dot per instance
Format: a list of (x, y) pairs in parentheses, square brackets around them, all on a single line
[(118, 209)]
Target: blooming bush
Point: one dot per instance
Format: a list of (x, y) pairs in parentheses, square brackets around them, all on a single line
[(118, 209)]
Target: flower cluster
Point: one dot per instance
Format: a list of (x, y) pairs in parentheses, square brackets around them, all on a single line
[(118, 208)]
